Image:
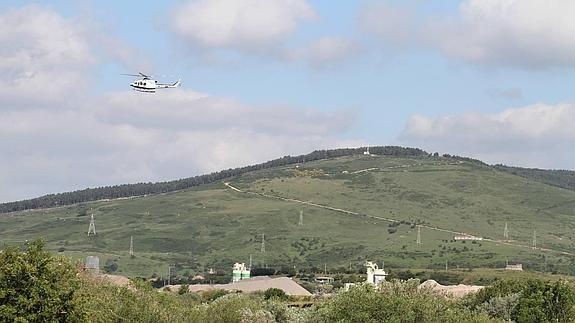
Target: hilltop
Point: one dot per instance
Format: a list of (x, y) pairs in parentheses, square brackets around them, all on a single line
[(355, 207)]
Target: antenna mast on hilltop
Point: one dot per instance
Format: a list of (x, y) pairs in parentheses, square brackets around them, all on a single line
[(300, 218), (505, 232), (92, 226), (131, 246), (418, 234)]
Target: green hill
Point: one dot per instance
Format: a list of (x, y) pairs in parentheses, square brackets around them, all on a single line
[(355, 207)]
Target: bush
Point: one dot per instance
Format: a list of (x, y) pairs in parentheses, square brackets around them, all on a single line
[(396, 302), (37, 287), (526, 301), (212, 295), (275, 293), (184, 289)]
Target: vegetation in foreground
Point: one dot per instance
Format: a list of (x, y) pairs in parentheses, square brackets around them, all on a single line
[(36, 286)]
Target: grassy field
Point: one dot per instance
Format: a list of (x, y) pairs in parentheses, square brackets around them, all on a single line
[(214, 226)]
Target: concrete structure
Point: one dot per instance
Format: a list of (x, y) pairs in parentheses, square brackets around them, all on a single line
[(375, 276), (463, 238), (240, 272), (92, 264), (518, 267), (251, 285), (324, 280)]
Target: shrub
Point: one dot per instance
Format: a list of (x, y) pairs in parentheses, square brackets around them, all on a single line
[(396, 302), (275, 293), (184, 289), (212, 295), (536, 301), (37, 287)]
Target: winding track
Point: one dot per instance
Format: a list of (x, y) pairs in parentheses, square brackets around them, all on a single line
[(327, 207)]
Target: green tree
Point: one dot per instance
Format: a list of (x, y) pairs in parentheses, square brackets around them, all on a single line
[(37, 287), (275, 293)]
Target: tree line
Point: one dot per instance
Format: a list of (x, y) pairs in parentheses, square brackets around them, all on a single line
[(140, 189)]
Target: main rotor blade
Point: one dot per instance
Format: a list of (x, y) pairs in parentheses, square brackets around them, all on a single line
[(130, 74), (144, 75)]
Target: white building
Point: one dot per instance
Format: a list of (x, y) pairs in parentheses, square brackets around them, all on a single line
[(375, 276), (240, 272), (514, 267), (366, 152), (463, 238)]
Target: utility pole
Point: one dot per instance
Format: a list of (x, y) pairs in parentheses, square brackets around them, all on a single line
[(169, 273), (131, 246), (300, 218), (418, 234), (445, 264), (325, 268), (506, 232), (534, 240), (263, 249), (250, 261), (92, 226)]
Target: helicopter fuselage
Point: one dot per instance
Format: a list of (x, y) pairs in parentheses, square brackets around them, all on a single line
[(145, 85)]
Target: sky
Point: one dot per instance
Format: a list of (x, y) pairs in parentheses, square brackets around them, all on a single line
[(488, 79)]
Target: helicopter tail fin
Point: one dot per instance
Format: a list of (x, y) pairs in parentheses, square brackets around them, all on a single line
[(177, 84)]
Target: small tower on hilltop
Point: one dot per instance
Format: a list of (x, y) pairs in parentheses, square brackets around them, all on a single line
[(92, 226)]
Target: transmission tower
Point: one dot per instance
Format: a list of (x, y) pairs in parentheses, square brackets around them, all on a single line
[(300, 218), (506, 232), (263, 250), (534, 240), (131, 246), (92, 226), (418, 234)]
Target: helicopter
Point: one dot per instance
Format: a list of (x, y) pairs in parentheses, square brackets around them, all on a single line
[(148, 84)]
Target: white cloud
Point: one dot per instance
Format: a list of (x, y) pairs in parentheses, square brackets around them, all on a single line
[(519, 33), (326, 52), (239, 24), (535, 136), (40, 53)]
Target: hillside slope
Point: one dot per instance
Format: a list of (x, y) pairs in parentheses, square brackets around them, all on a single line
[(350, 207)]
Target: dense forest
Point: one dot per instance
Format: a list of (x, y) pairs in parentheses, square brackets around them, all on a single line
[(559, 178), (140, 189)]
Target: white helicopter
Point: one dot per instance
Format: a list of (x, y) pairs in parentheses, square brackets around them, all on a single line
[(149, 85)]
